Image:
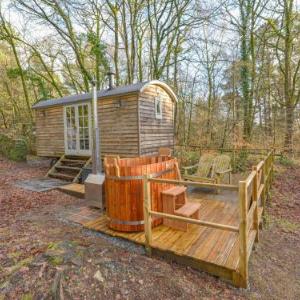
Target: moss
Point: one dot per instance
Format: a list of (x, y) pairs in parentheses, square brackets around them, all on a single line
[(27, 297), (53, 245), (284, 224), (56, 260), (286, 161), (15, 254), (288, 225), (268, 220), (19, 265)]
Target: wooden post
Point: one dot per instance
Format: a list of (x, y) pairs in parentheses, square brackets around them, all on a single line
[(177, 170), (243, 235), (263, 194), (116, 166), (255, 199), (268, 174), (147, 215), (272, 172), (234, 158)]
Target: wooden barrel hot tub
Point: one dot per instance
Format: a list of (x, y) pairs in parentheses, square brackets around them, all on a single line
[(124, 189)]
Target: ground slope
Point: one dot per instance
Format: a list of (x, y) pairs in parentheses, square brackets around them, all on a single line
[(42, 256)]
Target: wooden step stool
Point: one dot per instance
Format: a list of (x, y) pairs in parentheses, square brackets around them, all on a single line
[(175, 203)]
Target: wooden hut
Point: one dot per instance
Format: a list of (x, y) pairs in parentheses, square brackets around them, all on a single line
[(134, 120)]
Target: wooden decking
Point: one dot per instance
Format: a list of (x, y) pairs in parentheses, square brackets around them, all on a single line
[(213, 250), (221, 241)]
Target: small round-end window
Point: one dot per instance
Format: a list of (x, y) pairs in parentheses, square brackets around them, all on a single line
[(158, 108)]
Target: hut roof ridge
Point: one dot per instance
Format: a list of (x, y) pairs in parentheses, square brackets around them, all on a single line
[(119, 90)]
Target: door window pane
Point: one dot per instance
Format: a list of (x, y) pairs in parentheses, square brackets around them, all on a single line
[(77, 138), (87, 144)]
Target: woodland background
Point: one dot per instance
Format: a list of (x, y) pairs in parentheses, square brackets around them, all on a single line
[(234, 64)]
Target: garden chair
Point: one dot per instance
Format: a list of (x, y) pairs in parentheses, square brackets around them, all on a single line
[(221, 167), (203, 169), (210, 169), (164, 151)]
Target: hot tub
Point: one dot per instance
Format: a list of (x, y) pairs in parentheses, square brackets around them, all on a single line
[(124, 189)]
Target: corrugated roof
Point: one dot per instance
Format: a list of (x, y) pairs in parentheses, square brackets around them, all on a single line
[(120, 90)]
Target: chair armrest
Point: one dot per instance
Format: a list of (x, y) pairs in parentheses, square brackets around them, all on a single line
[(189, 168), (224, 172)]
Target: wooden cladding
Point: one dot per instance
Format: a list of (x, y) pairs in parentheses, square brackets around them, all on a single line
[(118, 126), (50, 131), (128, 125), (155, 133)]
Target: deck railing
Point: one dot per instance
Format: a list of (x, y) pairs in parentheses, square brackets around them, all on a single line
[(253, 192)]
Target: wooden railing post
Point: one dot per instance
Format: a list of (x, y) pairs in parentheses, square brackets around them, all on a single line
[(268, 172), (243, 235), (272, 167), (147, 215), (255, 199), (263, 194)]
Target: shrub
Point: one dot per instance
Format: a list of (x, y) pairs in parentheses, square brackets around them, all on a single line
[(6, 144), (15, 150), (240, 163), (286, 161), (186, 157), (19, 151)]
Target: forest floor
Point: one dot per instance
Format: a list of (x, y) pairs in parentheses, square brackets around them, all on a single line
[(44, 257)]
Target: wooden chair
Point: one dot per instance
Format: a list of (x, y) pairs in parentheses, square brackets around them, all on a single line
[(210, 169), (221, 167), (203, 169), (175, 203), (110, 159), (164, 151)]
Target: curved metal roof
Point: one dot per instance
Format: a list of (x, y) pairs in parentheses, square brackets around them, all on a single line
[(120, 90)]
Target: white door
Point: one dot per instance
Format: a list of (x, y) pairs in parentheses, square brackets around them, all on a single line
[(77, 120)]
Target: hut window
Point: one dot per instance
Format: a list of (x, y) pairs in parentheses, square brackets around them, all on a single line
[(158, 108)]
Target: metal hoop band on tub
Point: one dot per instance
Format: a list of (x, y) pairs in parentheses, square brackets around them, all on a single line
[(123, 222), (139, 177)]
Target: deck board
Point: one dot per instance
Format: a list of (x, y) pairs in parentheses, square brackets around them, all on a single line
[(208, 245)]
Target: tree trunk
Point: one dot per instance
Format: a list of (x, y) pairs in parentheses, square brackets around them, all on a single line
[(290, 119)]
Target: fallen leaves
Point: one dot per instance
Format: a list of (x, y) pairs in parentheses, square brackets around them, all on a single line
[(90, 266)]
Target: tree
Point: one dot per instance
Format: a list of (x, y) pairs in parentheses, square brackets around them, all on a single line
[(287, 47)]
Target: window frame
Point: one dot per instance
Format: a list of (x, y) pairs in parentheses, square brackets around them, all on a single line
[(158, 115)]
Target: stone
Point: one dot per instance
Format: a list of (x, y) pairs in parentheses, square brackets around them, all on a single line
[(99, 276), (77, 261)]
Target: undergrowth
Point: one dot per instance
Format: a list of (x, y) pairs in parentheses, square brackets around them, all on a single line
[(286, 161), (13, 149)]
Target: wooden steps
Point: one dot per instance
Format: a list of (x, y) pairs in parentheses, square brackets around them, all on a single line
[(175, 191), (61, 176), (74, 161), (188, 209), (69, 168), (73, 189)]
